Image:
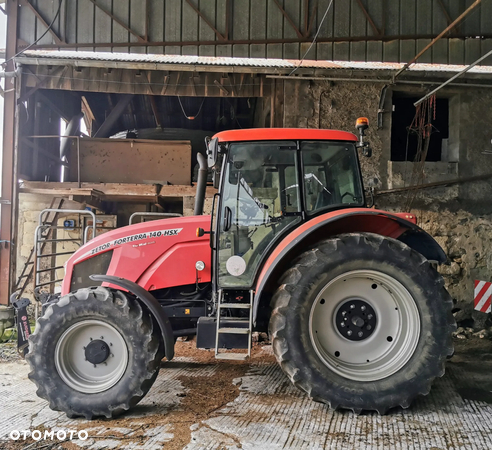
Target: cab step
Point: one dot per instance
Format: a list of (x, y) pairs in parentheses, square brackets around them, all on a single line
[(232, 356), (236, 305), (234, 330)]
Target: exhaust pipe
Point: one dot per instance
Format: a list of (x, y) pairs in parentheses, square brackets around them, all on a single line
[(201, 184)]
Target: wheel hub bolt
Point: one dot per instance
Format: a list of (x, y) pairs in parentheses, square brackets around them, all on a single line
[(369, 316), (342, 324), (368, 327), (349, 332), (362, 308), (352, 306), (361, 334)]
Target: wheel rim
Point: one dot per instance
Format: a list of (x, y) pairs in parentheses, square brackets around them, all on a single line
[(103, 368), (381, 350)]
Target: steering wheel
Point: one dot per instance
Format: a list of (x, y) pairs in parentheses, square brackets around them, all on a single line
[(248, 207), (347, 193)]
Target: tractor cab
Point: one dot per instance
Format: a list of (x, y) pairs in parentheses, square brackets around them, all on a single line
[(272, 180)]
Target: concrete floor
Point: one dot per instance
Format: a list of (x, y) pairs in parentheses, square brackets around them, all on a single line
[(197, 403)]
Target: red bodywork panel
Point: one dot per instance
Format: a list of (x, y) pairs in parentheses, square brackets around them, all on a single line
[(284, 134), (373, 221), (155, 255)]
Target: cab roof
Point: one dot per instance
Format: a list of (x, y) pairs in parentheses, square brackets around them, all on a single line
[(282, 134)]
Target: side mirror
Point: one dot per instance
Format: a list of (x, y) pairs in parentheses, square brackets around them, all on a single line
[(212, 151)]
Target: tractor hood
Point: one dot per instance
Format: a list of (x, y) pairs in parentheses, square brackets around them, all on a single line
[(157, 254)]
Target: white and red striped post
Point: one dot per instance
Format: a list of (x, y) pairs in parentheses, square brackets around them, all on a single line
[(483, 296)]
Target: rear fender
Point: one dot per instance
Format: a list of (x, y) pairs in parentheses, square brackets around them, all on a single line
[(152, 305), (398, 226)]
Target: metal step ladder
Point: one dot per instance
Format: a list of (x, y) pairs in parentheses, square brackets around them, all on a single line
[(28, 269), (224, 354)]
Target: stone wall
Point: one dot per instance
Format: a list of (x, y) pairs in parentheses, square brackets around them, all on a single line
[(459, 216)]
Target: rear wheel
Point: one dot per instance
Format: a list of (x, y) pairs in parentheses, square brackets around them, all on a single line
[(94, 353), (362, 322)]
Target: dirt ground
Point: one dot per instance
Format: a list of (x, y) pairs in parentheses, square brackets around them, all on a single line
[(198, 402)]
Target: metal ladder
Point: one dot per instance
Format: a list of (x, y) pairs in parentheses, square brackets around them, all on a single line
[(28, 269), (228, 330)]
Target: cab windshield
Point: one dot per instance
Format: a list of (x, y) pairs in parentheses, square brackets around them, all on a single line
[(260, 198)]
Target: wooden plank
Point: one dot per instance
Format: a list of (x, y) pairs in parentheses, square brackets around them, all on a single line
[(132, 161), (358, 51), (486, 45), (121, 10), (85, 23), (324, 51), (206, 50), (241, 18), (138, 18), (471, 25), (291, 51), (374, 51), (485, 15), (427, 56), (439, 20), (358, 20), (440, 52), (393, 17), (257, 51), (258, 24), (424, 18), (156, 24), (275, 23), (221, 11), (408, 20), (472, 50), (391, 51), (240, 51), (456, 51), (375, 8), (27, 24), (341, 51), (223, 50), (307, 51), (102, 23), (274, 51), (172, 26), (292, 23), (342, 20), (279, 99), (407, 50), (205, 32), (190, 21), (184, 191), (189, 50)]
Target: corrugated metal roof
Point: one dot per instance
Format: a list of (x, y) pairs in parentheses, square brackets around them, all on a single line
[(158, 60)]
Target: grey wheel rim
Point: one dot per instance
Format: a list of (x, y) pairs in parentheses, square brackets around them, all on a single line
[(79, 373), (387, 348)]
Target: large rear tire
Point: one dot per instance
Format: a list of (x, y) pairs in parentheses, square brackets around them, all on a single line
[(362, 322), (94, 353)]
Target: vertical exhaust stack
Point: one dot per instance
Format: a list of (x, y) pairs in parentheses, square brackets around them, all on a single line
[(201, 184)]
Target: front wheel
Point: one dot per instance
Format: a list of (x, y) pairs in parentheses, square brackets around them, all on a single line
[(362, 322), (94, 353)]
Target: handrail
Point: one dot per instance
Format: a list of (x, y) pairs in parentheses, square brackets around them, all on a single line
[(153, 214)]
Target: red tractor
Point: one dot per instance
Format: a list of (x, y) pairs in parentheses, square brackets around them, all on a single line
[(357, 314)]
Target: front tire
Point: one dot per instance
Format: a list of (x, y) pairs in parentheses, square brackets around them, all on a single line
[(362, 322), (94, 353)]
